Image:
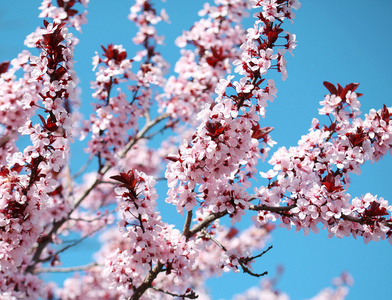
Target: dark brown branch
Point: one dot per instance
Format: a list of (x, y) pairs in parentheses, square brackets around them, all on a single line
[(188, 222), (69, 246), (275, 209), (366, 221), (205, 223), (248, 271), (283, 209), (190, 295), (257, 256), (147, 282), (353, 219), (245, 260), (141, 134), (42, 244)]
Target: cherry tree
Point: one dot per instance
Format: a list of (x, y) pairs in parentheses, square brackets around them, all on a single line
[(200, 132)]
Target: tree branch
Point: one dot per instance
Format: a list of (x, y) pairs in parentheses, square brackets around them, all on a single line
[(275, 209), (65, 270), (205, 223), (190, 295), (69, 246), (206, 234), (188, 222), (245, 260), (147, 282), (282, 209)]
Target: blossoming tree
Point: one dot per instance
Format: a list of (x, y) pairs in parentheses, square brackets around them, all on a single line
[(210, 115)]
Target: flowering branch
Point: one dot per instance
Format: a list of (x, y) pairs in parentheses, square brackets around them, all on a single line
[(213, 107)]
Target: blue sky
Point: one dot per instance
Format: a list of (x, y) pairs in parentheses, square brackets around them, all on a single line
[(338, 41)]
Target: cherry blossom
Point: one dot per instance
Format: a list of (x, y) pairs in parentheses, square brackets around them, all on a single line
[(210, 116)]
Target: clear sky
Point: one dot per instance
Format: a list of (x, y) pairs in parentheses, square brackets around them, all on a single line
[(338, 41)]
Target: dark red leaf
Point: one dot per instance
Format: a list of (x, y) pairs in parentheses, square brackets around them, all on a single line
[(357, 138), (43, 121), (172, 158), (329, 183), (374, 210), (58, 74), (119, 178), (51, 123), (4, 171), (71, 12), (350, 87), (332, 127), (17, 168), (214, 129), (232, 233), (385, 114), (331, 88), (4, 66), (121, 56), (259, 133), (128, 180), (260, 81), (340, 89)]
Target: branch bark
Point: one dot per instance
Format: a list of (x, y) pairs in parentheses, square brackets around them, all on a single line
[(65, 270), (147, 282), (275, 209)]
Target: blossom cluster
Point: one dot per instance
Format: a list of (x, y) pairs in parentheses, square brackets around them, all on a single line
[(312, 178), (214, 42), (30, 179), (220, 94), (267, 291), (225, 148), (114, 116), (65, 12), (152, 243), (13, 113), (116, 120)]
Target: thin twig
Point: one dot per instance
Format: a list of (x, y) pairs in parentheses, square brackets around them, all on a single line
[(259, 255), (248, 271), (276, 209), (92, 220), (190, 295), (209, 236), (143, 132), (245, 260), (65, 270), (83, 168), (70, 245)]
